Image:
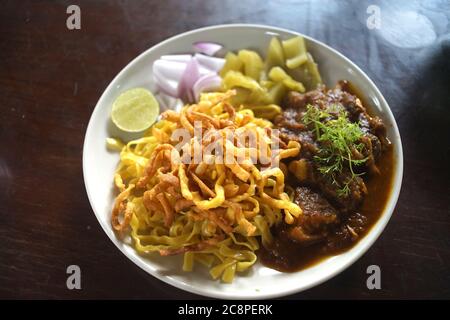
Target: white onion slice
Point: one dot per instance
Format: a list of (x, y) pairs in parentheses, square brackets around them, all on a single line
[(166, 85), (203, 70), (190, 75), (208, 48), (178, 105), (169, 69), (168, 102), (174, 69), (206, 83), (177, 57), (184, 76), (211, 63)]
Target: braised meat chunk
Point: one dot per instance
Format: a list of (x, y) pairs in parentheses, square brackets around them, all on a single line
[(340, 147), (318, 215), (321, 222), (339, 138), (295, 106), (306, 174)]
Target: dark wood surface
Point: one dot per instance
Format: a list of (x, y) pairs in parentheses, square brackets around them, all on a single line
[(51, 79)]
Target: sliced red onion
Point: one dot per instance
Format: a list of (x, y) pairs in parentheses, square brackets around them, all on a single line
[(162, 99), (168, 102), (190, 76), (208, 48), (178, 105), (177, 57), (203, 70), (211, 63), (206, 83), (169, 69), (166, 85), (185, 76)]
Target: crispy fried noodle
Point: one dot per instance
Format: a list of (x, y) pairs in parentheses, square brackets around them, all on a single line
[(213, 211)]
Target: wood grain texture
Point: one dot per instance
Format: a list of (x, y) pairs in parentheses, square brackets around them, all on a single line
[(51, 79)]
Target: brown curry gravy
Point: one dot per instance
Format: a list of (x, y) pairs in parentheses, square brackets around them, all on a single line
[(293, 257)]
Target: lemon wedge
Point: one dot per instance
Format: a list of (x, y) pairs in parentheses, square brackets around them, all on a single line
[(135, 110)]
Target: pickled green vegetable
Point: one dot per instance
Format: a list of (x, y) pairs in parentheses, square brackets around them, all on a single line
[(256, 93), (308, 74), (275, 54), (313, 71), (253, 64), (295, 52), (277, 74), (256, 97), (236, 79), (241, 97), (264, 76), (293, 85), (296, 61), (261, 85), (232, 62), (269, 111), (277, 92), (267, 84)]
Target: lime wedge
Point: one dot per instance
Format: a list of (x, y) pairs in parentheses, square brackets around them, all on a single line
[(135, 110)]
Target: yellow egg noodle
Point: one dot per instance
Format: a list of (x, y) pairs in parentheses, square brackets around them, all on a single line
[(214, 212)]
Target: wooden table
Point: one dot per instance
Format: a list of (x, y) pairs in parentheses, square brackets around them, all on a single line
[(52, 77)]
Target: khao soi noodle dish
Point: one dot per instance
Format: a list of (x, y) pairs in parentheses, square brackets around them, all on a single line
[(246, 156)]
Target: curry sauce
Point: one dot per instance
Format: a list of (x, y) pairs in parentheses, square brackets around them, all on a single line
[(288, 255)]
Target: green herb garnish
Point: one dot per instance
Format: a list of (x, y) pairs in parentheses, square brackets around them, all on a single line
[(338, 138)]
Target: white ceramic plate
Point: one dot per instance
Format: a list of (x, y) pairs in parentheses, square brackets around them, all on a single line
[(260, 282)]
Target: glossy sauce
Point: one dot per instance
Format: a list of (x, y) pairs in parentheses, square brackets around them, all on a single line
[(287, 256), (293, 257)]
